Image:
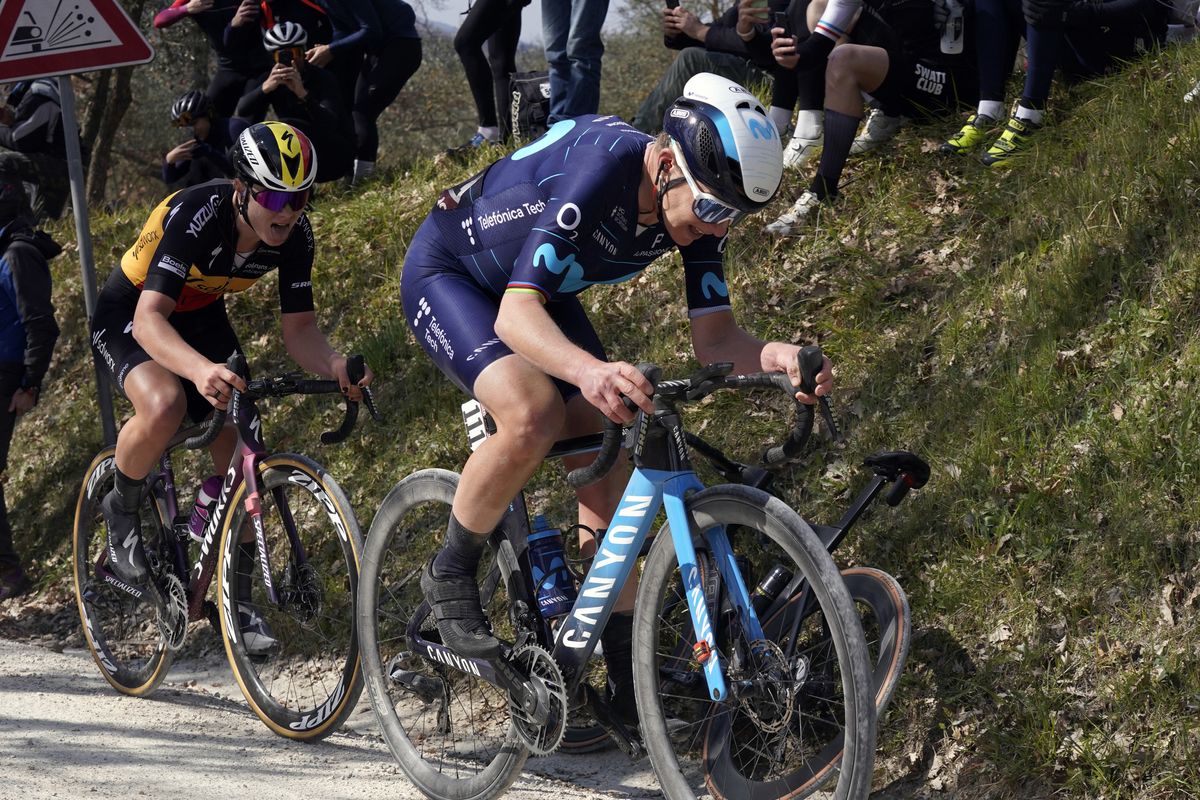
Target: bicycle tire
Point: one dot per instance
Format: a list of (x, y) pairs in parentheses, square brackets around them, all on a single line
[(481, 757), (120, 632), (887, 626), (305, 686), (717, 746)]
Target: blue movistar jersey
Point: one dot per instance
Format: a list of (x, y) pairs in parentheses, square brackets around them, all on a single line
[(560, 215)]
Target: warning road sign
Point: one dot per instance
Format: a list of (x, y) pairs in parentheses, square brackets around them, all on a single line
[(58, 37)]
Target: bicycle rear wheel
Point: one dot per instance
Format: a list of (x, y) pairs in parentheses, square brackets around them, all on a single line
[(450, 732), (121, 630), (800, 703), (887, 625), (305, 684)]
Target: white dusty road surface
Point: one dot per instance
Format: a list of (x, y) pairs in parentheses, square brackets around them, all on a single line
[(64, 733)]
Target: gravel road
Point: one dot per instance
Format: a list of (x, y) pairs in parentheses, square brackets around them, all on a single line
[(65, 733)]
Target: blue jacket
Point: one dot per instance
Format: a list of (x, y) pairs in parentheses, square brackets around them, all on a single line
[(370, 24), (27, 327)]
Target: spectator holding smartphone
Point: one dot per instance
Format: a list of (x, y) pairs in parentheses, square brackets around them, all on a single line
[(374, 51), (237, 65), (736, 46), (305, 96), (204, 156)]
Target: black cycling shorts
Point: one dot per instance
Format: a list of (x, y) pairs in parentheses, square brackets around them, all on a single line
[(115, 350)]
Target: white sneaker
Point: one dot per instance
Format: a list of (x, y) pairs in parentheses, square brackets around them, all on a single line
[(800, 150), (880, 128), (1191, 96), (796, 218)]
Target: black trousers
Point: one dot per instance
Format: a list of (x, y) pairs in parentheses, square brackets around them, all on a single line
[(498, 23)]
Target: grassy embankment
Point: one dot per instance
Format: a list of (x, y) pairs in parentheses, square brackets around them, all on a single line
[(1032, 334)]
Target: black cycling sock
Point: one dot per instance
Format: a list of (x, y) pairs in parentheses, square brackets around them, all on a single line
[(129, 490), (617, 639), (839, 136), (461, 552), (247, 556)]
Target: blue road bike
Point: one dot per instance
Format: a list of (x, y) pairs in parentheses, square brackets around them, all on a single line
[(740, 694)]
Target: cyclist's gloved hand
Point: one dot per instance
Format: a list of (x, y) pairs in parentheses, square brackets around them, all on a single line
[(349, 388), (216, 382), (781, 357), (604, 383)]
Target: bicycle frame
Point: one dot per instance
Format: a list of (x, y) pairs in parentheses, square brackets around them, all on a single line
[(662, 479), (243, 466)]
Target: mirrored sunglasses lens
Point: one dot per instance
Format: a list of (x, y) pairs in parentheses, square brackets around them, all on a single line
[(712, 212), (276, 201)]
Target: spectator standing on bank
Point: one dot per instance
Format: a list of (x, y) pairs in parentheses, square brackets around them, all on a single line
[(571, 32), (374, 51), (204, 156), (32, 145), (498, 23), (27, 336), (237, 66)]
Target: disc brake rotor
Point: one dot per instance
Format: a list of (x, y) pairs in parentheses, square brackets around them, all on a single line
[(173, 614), (542, 738), (771, 702)]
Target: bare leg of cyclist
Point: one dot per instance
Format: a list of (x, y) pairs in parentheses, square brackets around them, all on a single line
[(158, 406), (529, 415)]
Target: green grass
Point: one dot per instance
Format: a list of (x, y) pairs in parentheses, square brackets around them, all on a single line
[(1032, 333)]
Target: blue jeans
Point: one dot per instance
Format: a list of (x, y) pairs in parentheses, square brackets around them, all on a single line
[(571, 29)]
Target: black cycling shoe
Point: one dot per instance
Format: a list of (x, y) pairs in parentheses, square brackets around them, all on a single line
[(459, 614), (126, 556), (622, 704)]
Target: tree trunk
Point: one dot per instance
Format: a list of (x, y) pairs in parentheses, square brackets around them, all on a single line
[(113, 111), (96, 108)]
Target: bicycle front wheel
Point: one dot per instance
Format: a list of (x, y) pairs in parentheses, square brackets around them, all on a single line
[(800, 701), (295, 657), (121, 630), (448, 730)]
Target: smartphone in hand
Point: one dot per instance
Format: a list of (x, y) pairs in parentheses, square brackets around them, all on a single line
[(782, 20), (672, 3)]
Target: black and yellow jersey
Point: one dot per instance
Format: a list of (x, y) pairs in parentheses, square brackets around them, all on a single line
[(186, 250)]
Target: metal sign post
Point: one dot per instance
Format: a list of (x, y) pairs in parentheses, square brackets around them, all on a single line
[(41, 39), (83, 235)]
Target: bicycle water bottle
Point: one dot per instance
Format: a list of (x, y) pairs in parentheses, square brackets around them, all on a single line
[(952, 33), (553, 581), (769, 588), (205, 501)]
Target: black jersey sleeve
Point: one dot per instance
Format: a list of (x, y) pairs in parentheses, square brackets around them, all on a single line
[(295, 269)]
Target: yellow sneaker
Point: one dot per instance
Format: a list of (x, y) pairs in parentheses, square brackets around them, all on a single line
[(1012, 142), (970, 136)]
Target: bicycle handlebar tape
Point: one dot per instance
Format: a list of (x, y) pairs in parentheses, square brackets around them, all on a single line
[(610, 446), (206, 436)]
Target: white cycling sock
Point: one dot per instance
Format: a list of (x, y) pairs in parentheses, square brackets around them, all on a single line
[(782, 117), (1034, 115), (991, 108), (489, 132), (810, 123)]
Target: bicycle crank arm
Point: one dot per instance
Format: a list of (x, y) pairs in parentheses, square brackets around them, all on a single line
[(521, 691), (628, 741)]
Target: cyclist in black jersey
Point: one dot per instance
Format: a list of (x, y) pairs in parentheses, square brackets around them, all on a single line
[(160, 326), (489, 288)]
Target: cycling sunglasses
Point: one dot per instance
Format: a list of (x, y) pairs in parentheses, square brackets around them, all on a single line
[(705, 206), (275, 201), (185, 120)]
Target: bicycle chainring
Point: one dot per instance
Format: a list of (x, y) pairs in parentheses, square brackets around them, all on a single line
[(772, 700), (546, 679)]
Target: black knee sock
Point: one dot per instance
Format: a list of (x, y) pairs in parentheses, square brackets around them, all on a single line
[(461, 552), (617, 639), (129, 490), (839, 136)]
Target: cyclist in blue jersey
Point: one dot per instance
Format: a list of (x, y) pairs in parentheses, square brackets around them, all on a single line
[(489, 289)]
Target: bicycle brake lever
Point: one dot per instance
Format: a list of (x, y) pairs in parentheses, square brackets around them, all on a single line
[(811, 359)]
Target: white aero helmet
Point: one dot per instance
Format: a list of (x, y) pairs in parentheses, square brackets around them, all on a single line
[(728, 141), (283, 35)]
